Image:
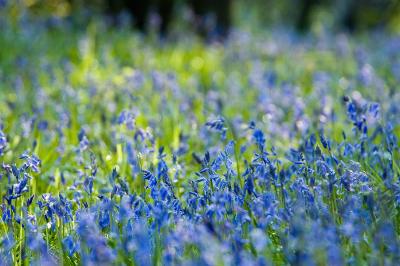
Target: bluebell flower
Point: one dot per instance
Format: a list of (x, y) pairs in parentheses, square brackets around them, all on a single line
[(69, 245), (325, 143), (3, 142), (88, 184), (83, 141), (21, 186), (31, 162), (218, 125), (6, 217), (127, 118), (259, 139), (42, 125), (104, 220)]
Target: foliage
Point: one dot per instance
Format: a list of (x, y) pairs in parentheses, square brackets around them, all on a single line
[(268, 149)]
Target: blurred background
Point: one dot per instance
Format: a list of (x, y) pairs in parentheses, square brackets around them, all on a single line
[(215, 19)]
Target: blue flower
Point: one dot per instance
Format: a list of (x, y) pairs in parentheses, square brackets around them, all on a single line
[(3, 142), (69, 245), (88, 184), (218, 125)]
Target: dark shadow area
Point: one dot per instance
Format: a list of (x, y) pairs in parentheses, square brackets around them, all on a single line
[(212, 19)]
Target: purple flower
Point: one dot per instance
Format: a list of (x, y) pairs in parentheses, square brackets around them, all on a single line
[(3, 142), (70, 245)]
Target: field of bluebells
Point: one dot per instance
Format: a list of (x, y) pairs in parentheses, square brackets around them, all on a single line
[(269, 149)]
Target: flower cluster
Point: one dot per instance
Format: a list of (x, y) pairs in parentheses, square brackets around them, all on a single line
[(148, 155)]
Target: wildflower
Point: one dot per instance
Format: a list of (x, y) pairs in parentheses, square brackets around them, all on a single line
[(127, 118), (83, 141), (31, 162), (3, 142), (218, 125), (69, 245), (88, 184)]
